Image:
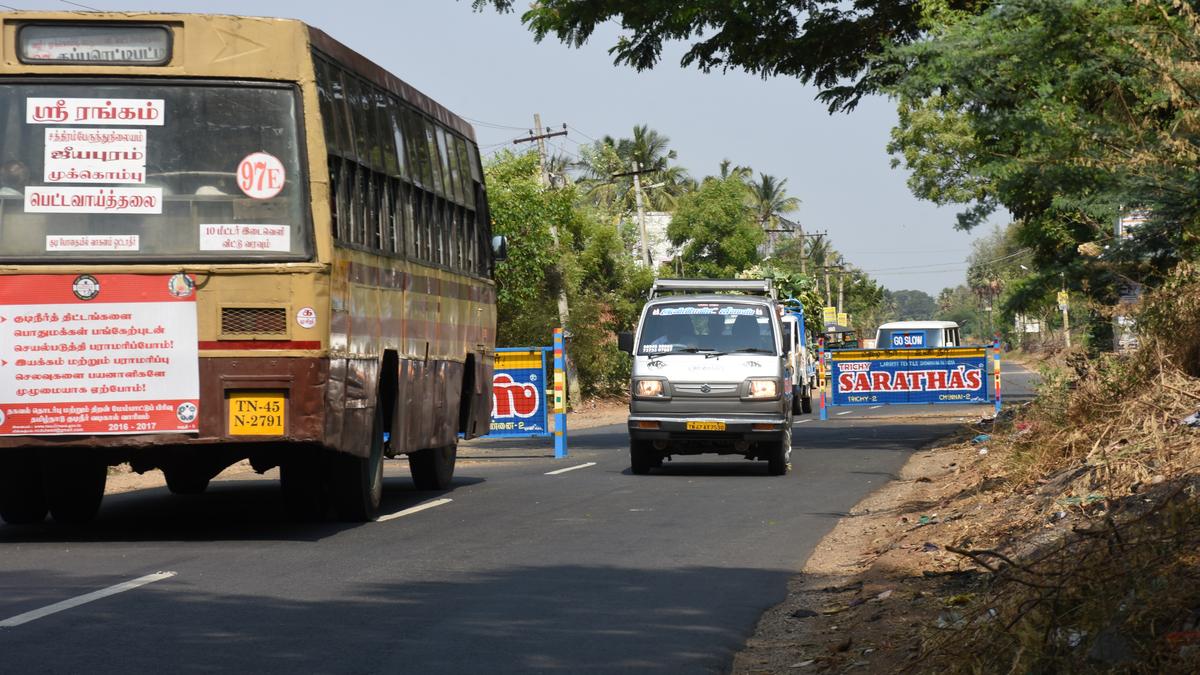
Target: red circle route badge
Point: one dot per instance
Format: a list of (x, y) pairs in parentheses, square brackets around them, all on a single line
[(260, 175)]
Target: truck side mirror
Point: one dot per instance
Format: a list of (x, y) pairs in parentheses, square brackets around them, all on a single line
[(787, 338), (625, 341), (500, 248)]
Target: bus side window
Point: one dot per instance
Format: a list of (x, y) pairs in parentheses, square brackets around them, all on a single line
[(325, 96)]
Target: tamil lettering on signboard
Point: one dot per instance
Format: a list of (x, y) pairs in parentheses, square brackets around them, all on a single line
[(103, 354), (519, 394)]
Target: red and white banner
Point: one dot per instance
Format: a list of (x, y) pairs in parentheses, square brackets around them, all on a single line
[(103, 354)]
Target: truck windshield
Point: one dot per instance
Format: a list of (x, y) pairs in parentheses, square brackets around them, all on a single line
[(151, 172), (688, 327)]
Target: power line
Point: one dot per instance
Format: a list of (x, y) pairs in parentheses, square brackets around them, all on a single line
[(68, 2), (967, 263), (583, 134), (493, 125)]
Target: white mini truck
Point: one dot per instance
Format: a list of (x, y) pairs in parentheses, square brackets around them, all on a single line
[(711, 374)]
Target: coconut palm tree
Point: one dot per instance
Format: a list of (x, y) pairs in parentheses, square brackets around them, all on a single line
[(651, 150), (769, 200), (729, 169)]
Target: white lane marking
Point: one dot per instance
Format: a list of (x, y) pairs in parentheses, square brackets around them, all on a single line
[(875, 406), (570, 468), (803, 421), (414, 509), (57, 607), (847, 412)]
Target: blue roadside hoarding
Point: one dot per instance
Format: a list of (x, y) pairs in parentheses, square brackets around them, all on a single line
[(909, 375), (519, 393)]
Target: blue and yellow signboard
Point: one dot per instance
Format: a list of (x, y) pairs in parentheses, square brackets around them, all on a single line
[(909, 375), (519, 393)]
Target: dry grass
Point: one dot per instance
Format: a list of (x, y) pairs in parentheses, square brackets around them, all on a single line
[(1102, 450)]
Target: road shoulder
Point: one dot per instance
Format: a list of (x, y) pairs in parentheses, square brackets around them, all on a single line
[(868, 586)]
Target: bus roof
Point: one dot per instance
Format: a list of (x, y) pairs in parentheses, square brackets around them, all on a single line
[(918, 325), (220, 45)]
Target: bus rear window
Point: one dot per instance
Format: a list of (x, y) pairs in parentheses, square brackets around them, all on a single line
[(151, 172)]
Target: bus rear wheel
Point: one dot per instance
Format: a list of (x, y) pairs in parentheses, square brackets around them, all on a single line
[(22, 498), (74, 488), (302, 479), (433, 468), (358, 481)]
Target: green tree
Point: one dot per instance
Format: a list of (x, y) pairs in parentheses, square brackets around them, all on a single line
[(604, 287), (960, 305), (1065, 113), (715, 231), (769, 200), (912, 305), (830, 43), (522, 211), (653, 154)]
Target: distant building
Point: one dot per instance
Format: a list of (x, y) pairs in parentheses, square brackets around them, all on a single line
[(661, 249)]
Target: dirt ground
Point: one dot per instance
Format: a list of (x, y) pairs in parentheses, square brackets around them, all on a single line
[(879, 578), (590, 414)]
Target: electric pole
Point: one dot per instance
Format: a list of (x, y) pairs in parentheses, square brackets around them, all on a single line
[(841, 283), (804, 254), (539, 135), (641, 216)]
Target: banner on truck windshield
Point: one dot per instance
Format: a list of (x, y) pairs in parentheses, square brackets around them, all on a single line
[(102, 354), (909, 375)]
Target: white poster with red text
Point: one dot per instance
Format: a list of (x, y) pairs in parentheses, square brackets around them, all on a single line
[(102, 354)]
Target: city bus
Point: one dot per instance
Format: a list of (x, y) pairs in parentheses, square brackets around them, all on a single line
[(225, 239)]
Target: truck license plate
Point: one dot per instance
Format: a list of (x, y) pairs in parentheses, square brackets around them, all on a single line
[(706, 426), (256, 414)]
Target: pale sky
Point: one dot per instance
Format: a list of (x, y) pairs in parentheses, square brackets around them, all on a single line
[(487, 68)]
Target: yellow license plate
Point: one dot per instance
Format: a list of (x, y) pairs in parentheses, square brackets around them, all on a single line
[(256, 414), (706, 426)]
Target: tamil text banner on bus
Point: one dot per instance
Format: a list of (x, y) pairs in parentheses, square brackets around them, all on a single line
[(103, 354), (519, 393), (892, 376)]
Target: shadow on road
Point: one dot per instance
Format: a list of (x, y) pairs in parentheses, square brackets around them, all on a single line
[(230, 510), (572, 618)]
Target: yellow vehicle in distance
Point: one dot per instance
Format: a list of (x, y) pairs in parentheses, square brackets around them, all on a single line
[(228, 238)]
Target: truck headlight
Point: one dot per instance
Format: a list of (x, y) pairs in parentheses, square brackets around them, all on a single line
[(650, 389), (762, 388)]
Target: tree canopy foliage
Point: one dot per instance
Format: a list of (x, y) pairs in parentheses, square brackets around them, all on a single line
[(830, 43), (1069, 114)]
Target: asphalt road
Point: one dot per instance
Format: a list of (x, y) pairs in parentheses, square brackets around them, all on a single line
[(588, 570)]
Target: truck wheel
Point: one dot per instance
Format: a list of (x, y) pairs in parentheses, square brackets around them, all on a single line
[(641, 458), (74, 488), (186, 482), (433, 468), (358, 481), (779, 458), (302, 479), (22, 499)]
